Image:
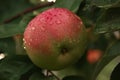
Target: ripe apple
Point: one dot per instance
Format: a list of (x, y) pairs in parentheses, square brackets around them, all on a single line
[(55, 39), (93, 55)]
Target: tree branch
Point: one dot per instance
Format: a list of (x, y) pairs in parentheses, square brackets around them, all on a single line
[(54, 75), (27, 11)]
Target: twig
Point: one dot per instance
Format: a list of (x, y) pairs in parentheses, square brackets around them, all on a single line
[(47, 73), (54, 75), (27, 11)]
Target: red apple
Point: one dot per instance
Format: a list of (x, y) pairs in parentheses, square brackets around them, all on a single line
[(55, 39), (93, 55)]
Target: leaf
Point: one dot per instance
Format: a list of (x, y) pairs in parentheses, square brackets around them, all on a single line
[(106, 3), (106, 72), (25, 20), (109, 21), (13, 67), (7, 45), (73, 78), (11, 29), (8, 30), (111, 53), (37, 76), (41, 76), (89, 14), (10, 8), (72, 5), (50, 78), (115, 73)]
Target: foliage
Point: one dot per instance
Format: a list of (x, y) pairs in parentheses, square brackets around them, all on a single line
[(102, 21)]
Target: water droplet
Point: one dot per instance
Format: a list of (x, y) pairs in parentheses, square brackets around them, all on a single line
[(58, 22), (30, 40), (42, 28), (24, 47), (29, 44), (81, 22), (2, 55), (33, 28), (23, 40)]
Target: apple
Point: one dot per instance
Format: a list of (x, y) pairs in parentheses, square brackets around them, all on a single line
[(93, 55), (55, 39)]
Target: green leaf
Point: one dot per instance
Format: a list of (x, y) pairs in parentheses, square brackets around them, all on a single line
[(41, 76), (106, 3), (72, 5), (13, 67), (8, 30), (73, 78), (115, 73), (112, 52), (7, 45), (50, 78), (37, 76), (25, 20), (106, 72), (9, 8), (109, 21), (89, 14), (11, 29)]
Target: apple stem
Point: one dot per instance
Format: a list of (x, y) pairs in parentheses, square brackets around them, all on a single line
[(49, 71)]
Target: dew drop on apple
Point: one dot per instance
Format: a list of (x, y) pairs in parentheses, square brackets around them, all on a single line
[(31, 40), (42, 28), (58, 22), (24, 47), (24, 41), (29, 44), (33, 28), (81, 22)]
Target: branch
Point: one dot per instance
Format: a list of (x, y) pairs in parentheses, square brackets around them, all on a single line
[(27, 11), (54, 75)]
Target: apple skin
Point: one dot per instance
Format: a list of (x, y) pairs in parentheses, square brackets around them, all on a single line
[(55, 39)]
